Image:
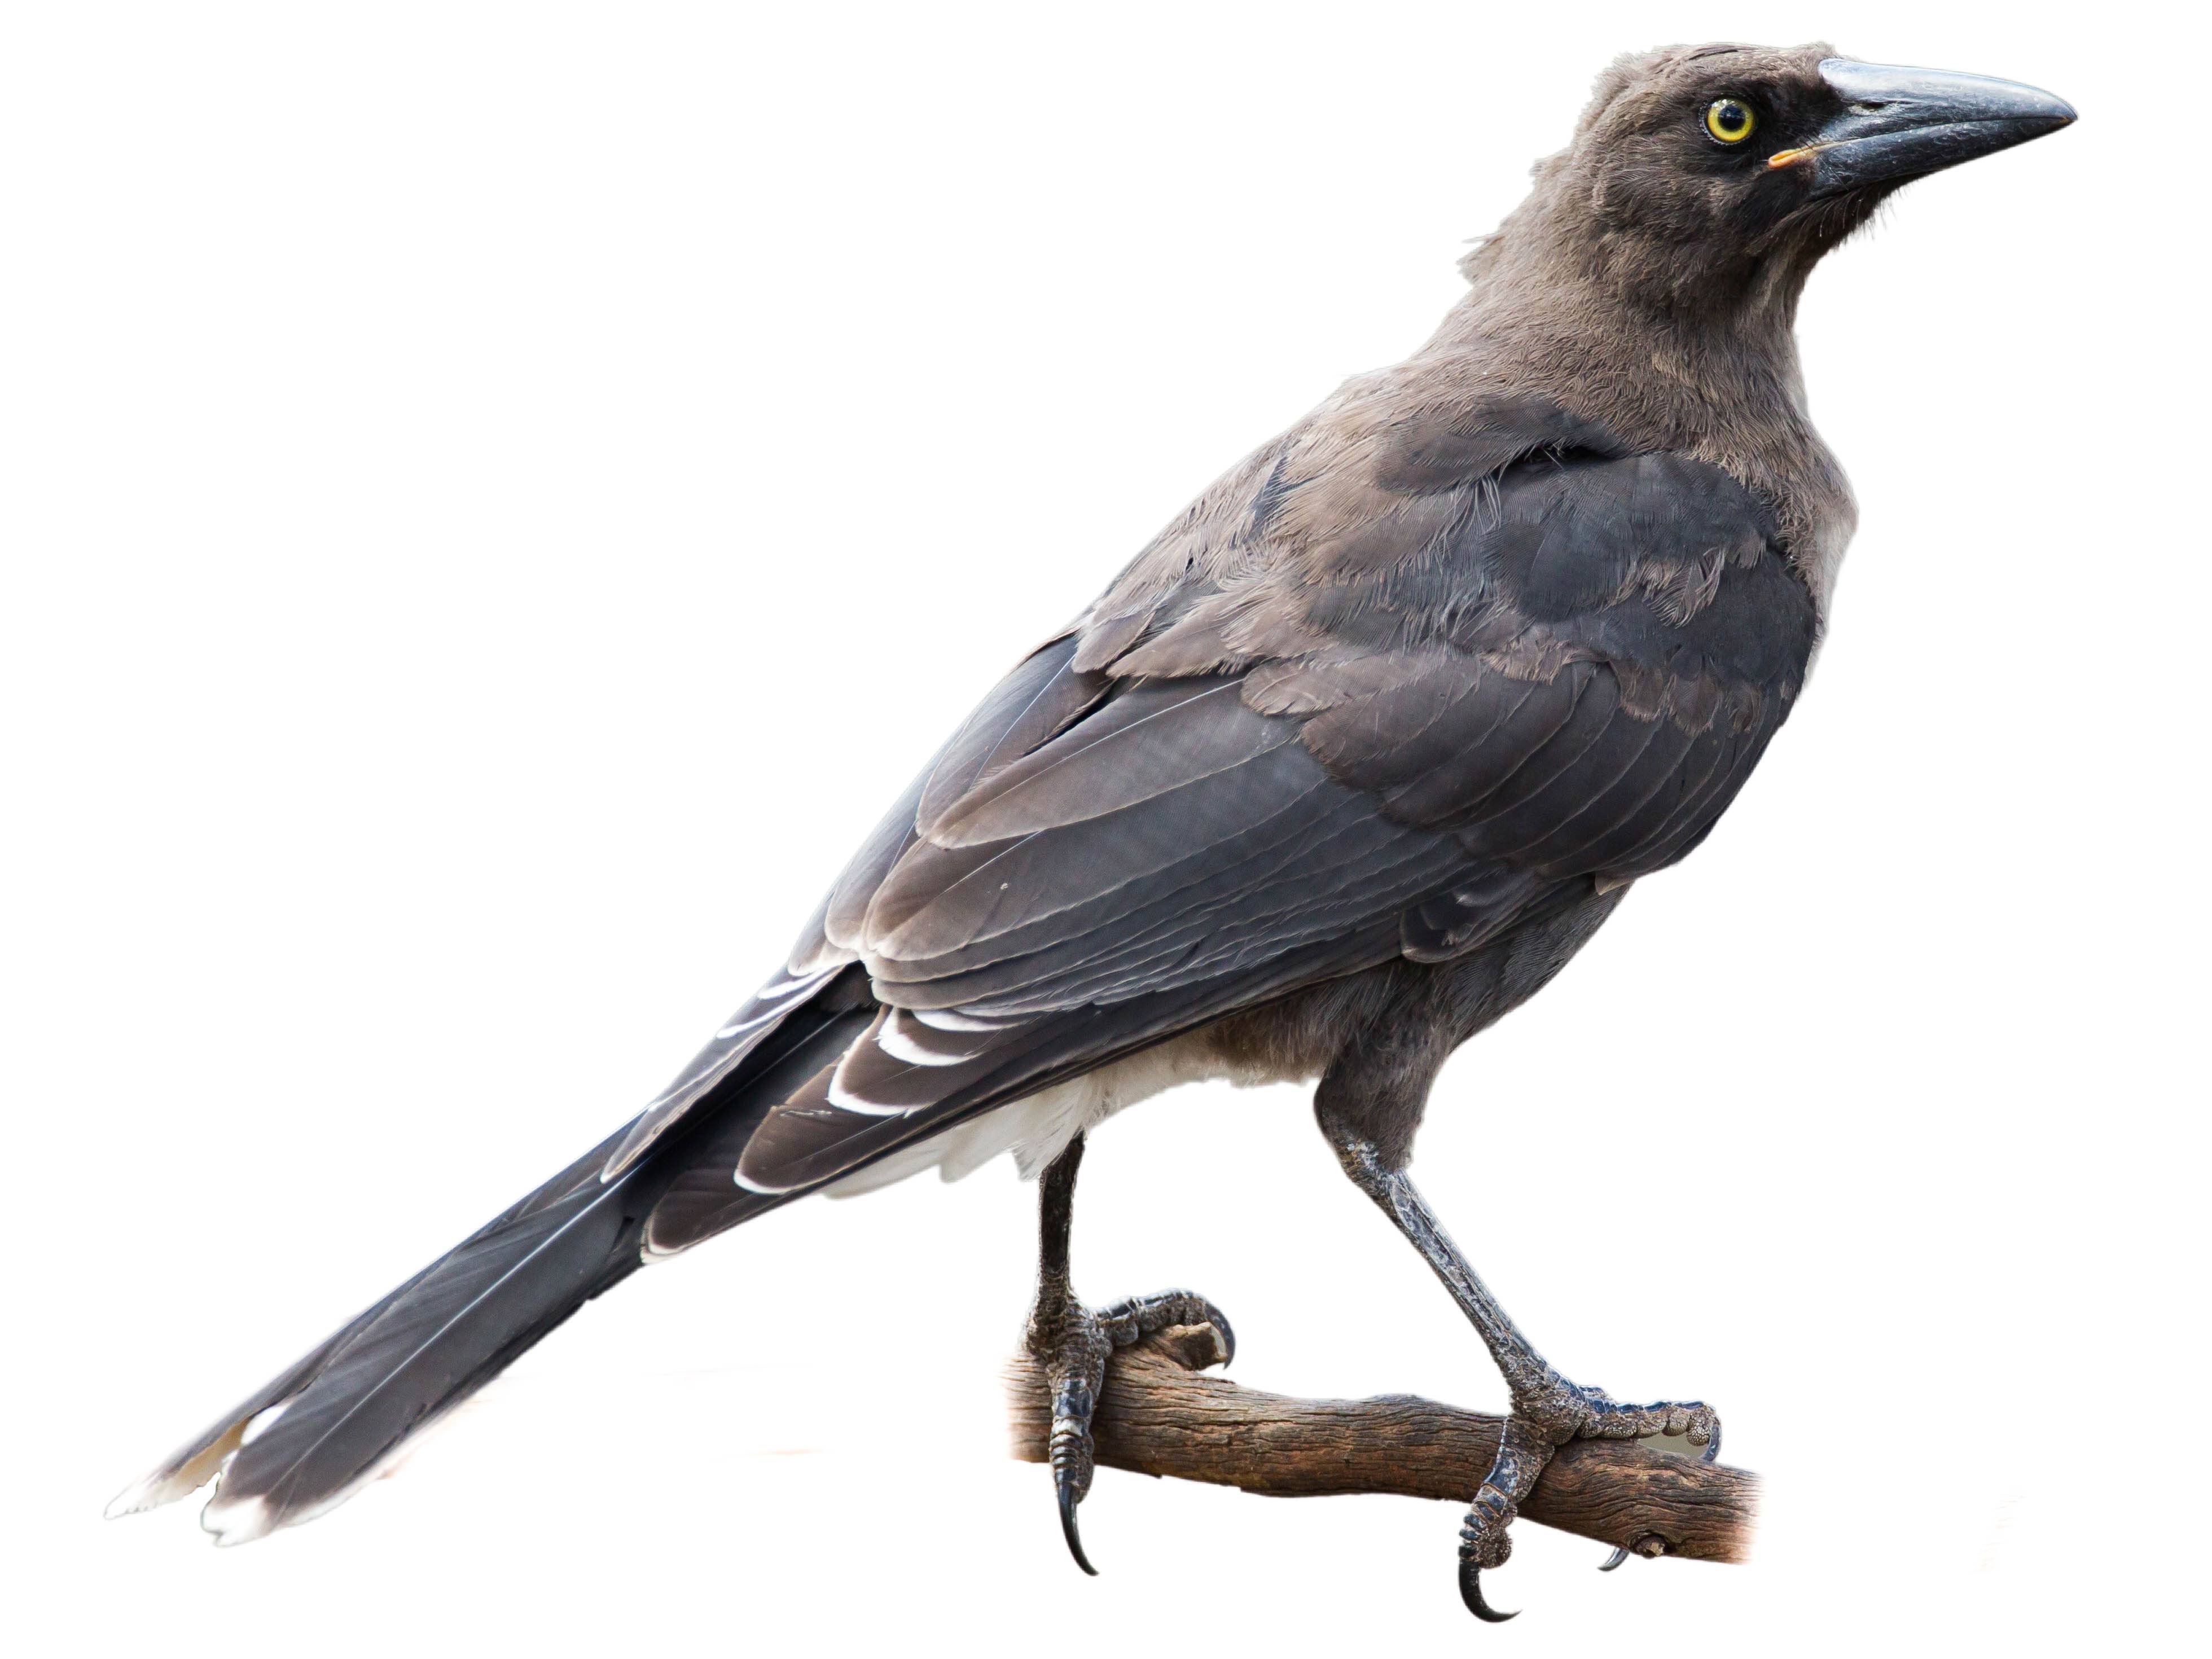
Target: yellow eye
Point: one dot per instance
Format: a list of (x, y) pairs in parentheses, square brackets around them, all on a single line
[(1731, 120)]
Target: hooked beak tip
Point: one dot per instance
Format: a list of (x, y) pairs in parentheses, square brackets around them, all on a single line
[(1897, 125)]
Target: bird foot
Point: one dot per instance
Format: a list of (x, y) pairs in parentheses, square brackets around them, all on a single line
[(1073, 1343), (1544, 1418)]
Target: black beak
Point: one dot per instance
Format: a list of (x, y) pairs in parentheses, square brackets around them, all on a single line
[(1903, 124)]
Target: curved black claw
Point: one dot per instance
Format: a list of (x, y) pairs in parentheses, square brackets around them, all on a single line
[(1618, 1555), (1219, 1321), (1712, 1447), (1067, 1527), (1470, 1591)]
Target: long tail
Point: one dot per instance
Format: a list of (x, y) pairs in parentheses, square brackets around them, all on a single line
[(316, 1434)]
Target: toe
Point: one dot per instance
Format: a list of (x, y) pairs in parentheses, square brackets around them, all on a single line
[(1070, 1452), (1483, 1543)]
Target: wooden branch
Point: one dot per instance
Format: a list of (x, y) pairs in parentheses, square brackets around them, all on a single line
[(1158, 1416)]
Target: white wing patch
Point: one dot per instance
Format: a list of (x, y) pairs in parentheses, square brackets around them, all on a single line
[(730, 1044), (1037, 1128), (903, 1037)]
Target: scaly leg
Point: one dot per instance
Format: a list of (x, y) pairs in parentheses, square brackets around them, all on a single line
[(1072, 1342), (1547, 1410)]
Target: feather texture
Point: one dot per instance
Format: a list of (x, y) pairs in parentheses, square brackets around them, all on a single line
[(1391, 692)]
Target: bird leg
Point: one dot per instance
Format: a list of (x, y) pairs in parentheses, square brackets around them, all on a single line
[(1547, 1410), (1072, 1342)]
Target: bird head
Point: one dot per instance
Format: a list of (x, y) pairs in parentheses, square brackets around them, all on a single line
[(1701, 177)]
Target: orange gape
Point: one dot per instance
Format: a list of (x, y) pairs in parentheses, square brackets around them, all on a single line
[(1347, 764)]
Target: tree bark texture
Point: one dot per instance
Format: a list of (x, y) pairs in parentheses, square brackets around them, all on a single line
[(1160, 1416)]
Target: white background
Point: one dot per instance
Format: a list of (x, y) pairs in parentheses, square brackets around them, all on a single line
[(496, 501)]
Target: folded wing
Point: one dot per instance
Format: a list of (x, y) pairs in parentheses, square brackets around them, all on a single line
[(1347, 723)]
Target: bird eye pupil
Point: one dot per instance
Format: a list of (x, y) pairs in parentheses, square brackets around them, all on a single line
[(1730, 121)]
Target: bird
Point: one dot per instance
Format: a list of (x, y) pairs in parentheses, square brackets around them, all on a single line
[(1347, 764)]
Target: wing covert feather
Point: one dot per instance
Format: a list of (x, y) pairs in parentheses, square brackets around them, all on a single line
[(1371, 697)]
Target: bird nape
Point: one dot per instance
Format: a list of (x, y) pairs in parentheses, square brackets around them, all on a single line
[(1345, 765)]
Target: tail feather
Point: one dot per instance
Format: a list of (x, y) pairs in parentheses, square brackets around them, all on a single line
[(317, 1433), (200, 1458), (428, 1348), (314, 1435), (330, 1422)]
